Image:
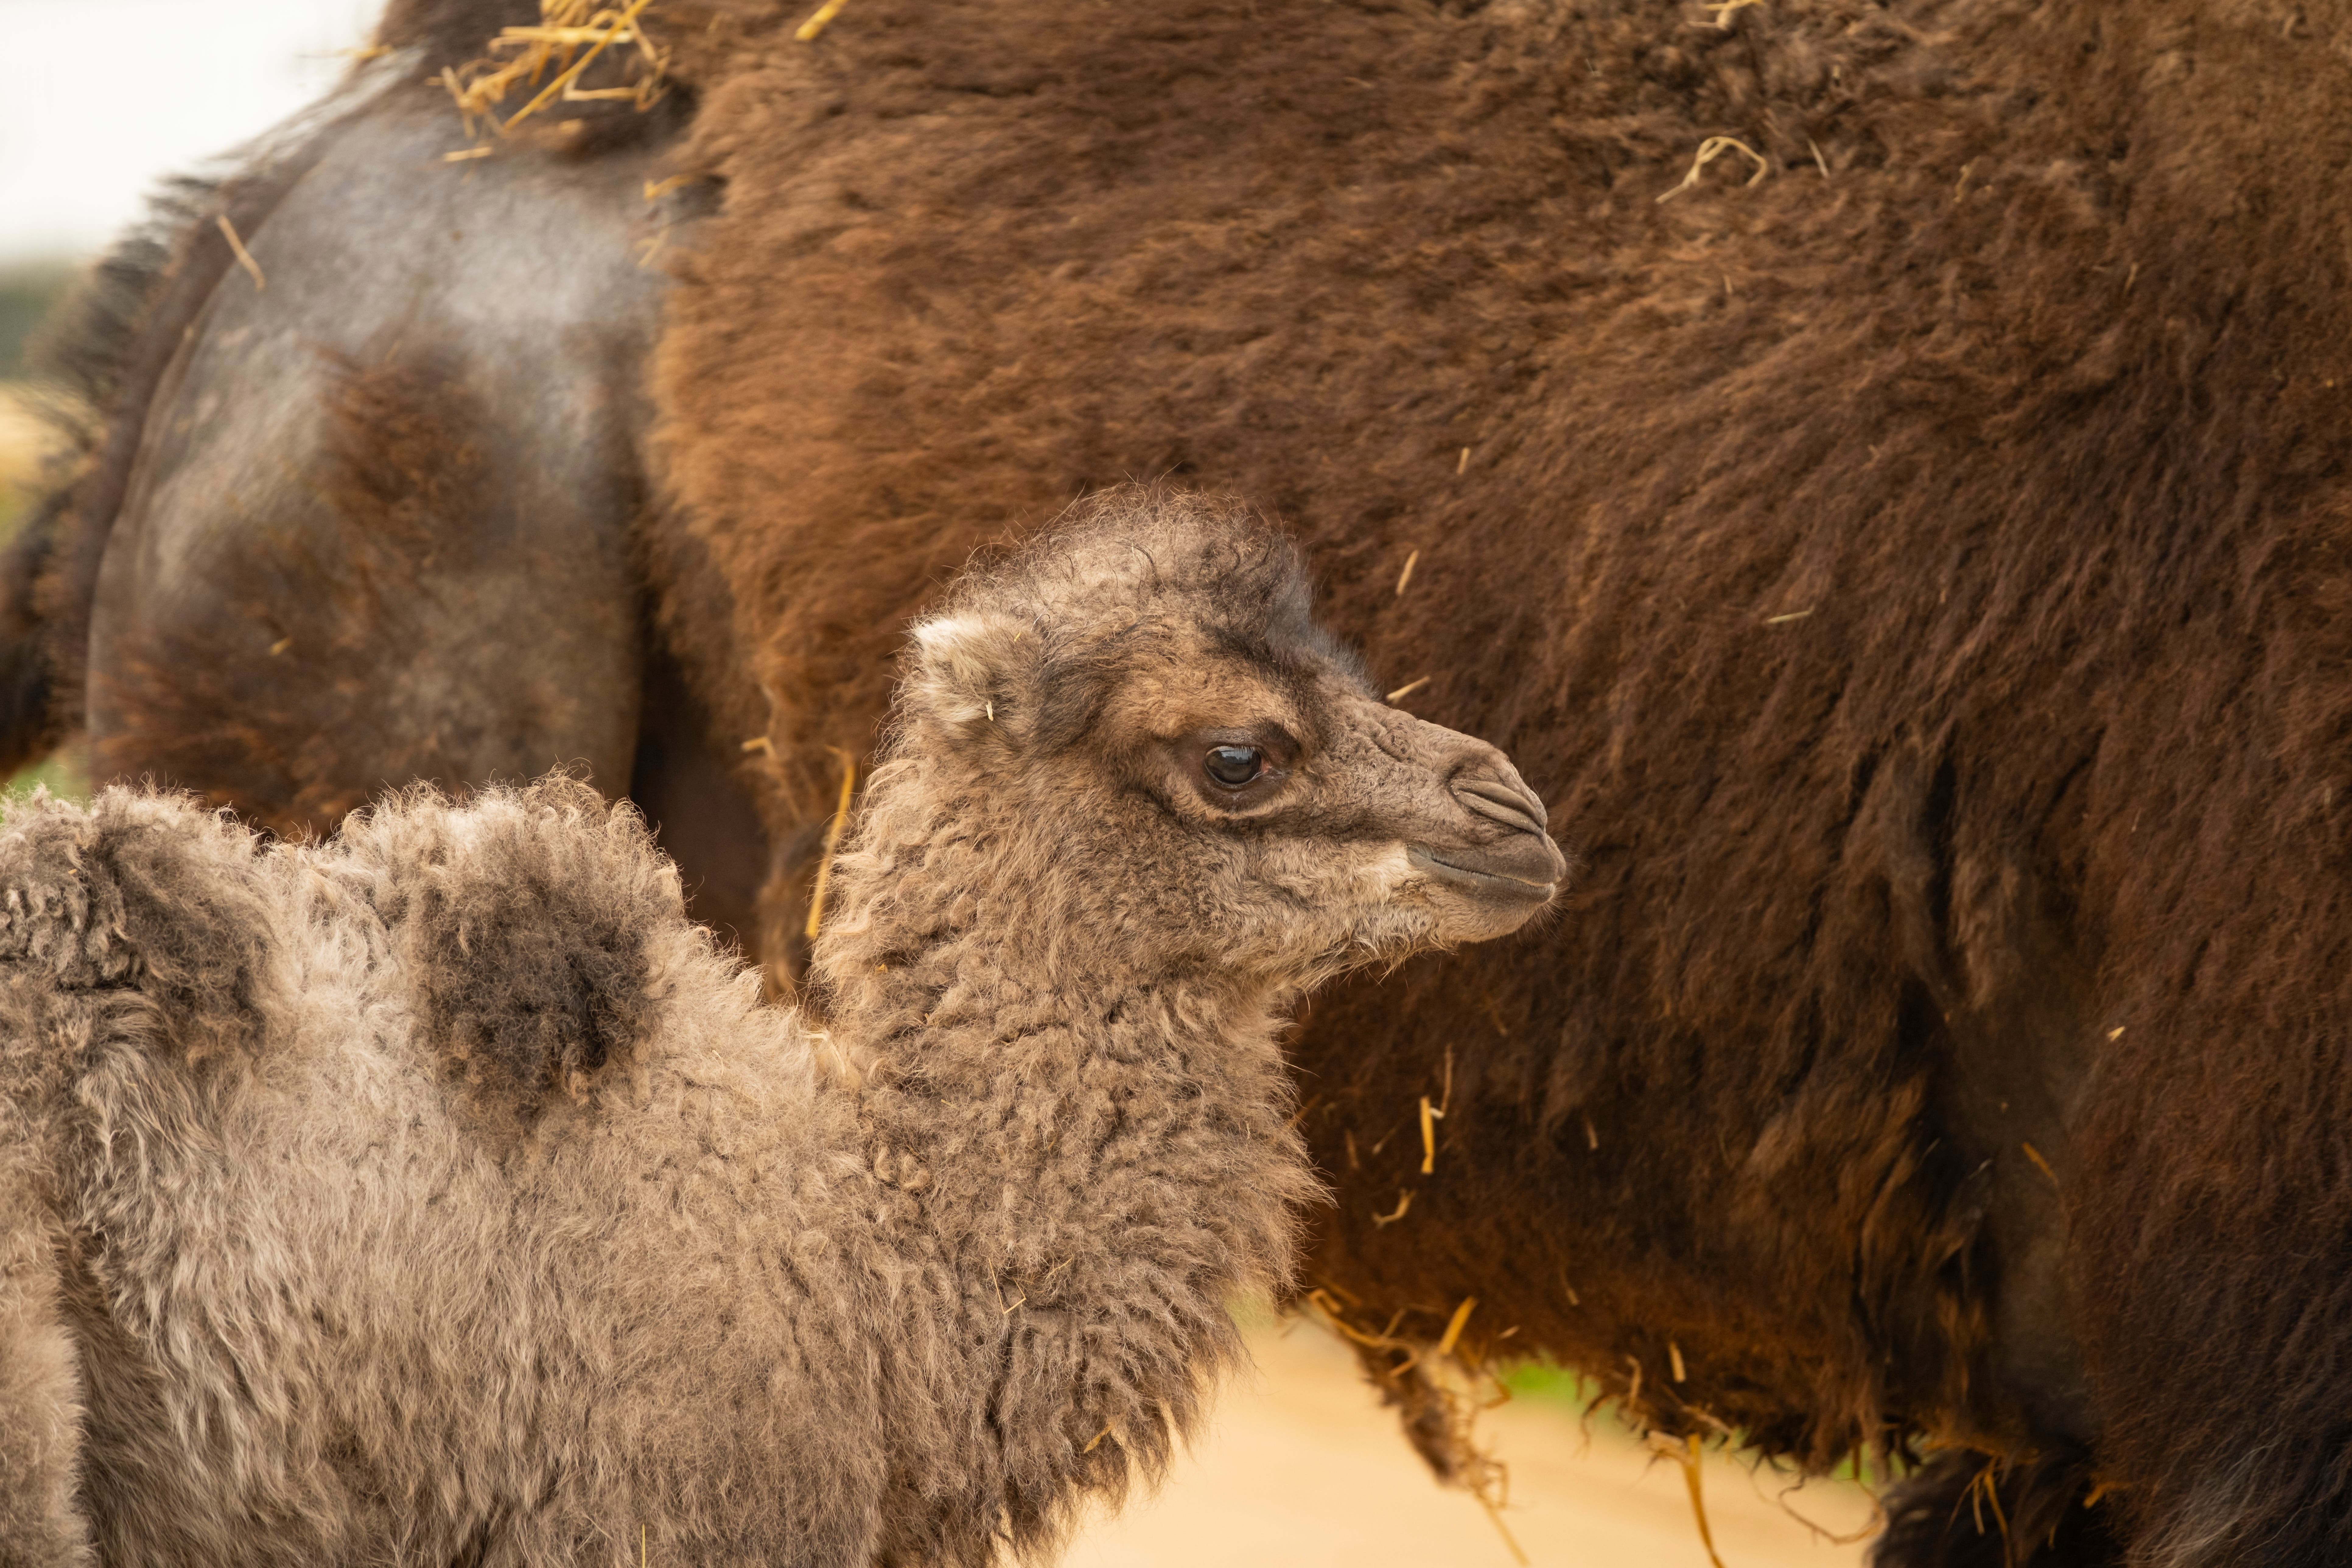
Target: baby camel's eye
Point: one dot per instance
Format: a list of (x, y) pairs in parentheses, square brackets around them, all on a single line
[(1233, 766)]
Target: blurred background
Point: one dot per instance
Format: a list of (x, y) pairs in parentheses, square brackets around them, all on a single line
[(110, 95), (1302, 1468)]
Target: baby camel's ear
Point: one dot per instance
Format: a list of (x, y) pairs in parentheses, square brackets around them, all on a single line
[(972, 671)]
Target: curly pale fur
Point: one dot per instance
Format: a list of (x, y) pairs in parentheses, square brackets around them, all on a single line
[(440, 1193)]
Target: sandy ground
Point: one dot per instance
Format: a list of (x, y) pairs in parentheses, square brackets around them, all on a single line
[(1304, 1470)]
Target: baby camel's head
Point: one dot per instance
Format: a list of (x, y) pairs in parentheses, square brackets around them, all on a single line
[(1148, 756)]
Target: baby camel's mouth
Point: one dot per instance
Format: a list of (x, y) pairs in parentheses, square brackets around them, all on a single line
[(1500, 876)]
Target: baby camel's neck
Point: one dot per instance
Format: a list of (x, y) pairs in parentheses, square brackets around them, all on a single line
[(1044, 1083), (1091, 1159), (1043, 1111)]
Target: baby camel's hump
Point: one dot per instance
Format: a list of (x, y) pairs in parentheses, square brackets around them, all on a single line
[(354, 1071)]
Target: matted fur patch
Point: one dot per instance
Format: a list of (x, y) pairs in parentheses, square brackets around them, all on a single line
[(531, 962)]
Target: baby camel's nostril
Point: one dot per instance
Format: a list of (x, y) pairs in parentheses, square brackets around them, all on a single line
[(1512, 804)]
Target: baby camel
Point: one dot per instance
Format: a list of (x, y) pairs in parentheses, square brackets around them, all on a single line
[(438, 1194)]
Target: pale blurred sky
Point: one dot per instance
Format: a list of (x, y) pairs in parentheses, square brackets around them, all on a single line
[(107, 95)]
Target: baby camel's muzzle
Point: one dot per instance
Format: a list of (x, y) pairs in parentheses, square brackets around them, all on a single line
[(1509, 859)]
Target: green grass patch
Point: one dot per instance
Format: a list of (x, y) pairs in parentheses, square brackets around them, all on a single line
[(1544, 1384), (63, 774)]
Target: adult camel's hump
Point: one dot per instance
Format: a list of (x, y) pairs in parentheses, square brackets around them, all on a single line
[(1907, 560), (359, 508)]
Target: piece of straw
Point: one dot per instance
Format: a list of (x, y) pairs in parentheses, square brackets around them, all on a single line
[(807, 31), (1409, 688), (559, 36), (1454, 1328), (831, 842), (1404, 1201), (1988, 1486), (1698, 1503), (1320, 1298), (1406, 575), (619, 28), (1503, 1530), (570, 37), (1708, 151), (1342, 1292), (1822, 1533), (1429, 1115), (244, 257), (2035, 1155)]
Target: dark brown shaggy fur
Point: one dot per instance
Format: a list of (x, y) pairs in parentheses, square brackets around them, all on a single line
[(1964, 1511), (1922, 578)]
